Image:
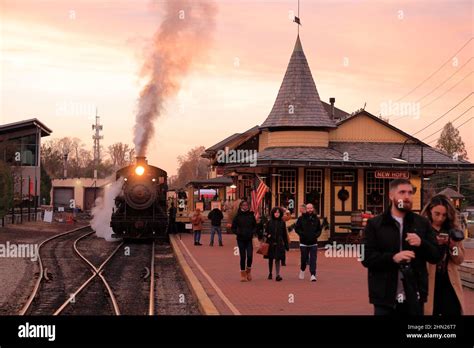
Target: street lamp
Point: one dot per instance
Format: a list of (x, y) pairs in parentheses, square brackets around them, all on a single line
[(401, 159)]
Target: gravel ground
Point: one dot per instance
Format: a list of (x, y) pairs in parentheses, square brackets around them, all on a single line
[(173, 296), (17, 275)]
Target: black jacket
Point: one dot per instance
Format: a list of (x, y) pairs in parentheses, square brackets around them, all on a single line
[(308, 228), (216, 216), (172, 213), (244, 225), (277, 238), (382, 241)]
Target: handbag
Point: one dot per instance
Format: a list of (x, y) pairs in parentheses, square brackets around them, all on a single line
[(263, 248)]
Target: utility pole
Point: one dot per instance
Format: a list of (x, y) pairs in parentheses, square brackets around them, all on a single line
[(97, 138)]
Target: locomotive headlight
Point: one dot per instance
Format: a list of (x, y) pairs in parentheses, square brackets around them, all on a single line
[(139, 170)]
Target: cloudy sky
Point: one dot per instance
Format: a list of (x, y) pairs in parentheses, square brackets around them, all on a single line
[(61, 59)]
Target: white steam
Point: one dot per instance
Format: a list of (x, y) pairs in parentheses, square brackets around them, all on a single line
[(102, 211)]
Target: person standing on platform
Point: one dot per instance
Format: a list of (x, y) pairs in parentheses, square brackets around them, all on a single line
[(216, 216), (244, 226), (397, 244), (445, 294), (197, 220), (172, 219), (308, 228), (277, 238)]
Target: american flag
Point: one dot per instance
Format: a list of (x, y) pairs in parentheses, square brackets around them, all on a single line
[(257, 197)]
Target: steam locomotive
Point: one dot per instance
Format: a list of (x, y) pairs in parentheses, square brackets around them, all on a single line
[(140, 208)]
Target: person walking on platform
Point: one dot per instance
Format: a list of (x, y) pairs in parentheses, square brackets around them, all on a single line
[(308, 228), (244, 226), (398, 243), (216, 216), (445, 294), (277, 238), (197, 221)]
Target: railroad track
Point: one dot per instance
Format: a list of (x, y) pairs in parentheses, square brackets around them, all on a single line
[(70, 283)]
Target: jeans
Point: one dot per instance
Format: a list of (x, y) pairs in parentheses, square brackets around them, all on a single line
[(245, 252), (277, 266), (197, 236), (310, 252), (215, 229)]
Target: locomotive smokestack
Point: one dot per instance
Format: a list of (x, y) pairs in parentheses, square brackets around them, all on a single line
[(141, 160)]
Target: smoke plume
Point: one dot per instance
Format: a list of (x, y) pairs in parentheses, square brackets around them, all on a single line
[(102, 211), (180, 41)]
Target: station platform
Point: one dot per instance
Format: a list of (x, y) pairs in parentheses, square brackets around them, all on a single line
[(213, 274)]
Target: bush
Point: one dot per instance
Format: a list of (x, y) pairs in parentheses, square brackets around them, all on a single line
[(6, 188)]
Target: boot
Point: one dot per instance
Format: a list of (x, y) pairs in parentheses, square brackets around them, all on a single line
[(243, 276), (220, 244), (249, 276)]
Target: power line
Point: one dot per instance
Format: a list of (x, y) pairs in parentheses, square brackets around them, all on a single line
[(429, 77), (442, 83), (450, 121), (441, 95), (430, 124), (431, 102), (462, 124)]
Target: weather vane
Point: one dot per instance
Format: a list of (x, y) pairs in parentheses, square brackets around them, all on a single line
[(297, 18)]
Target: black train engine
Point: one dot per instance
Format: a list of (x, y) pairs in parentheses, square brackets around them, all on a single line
[(140, 208)]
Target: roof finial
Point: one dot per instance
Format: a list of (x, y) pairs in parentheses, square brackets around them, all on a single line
[(297, 18)]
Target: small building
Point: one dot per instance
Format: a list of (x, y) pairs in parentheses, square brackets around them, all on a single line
[(20, 147), (308, 151), (78, 193)]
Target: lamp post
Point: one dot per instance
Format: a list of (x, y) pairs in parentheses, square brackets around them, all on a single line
[(422, 164)]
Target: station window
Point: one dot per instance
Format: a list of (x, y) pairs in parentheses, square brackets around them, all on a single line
[(287, 189), (342, 176), (314, 189), (22, 148), (374, 193)]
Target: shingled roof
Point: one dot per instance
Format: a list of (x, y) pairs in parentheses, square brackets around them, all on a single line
[(298, 93), (362, 155)]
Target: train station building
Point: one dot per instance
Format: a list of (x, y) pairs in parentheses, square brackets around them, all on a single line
[(20, 147), (309, 151)]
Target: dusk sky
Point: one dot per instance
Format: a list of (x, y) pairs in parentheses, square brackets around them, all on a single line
[(60, 59)]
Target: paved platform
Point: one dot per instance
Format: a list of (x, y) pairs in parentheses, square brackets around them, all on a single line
[(341, 288)]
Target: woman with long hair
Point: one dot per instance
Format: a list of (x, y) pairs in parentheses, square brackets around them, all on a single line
[(445, 294), (277, 238)]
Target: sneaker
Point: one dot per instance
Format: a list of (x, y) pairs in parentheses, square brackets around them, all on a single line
[(301, 276), (269, 276), (313, 278), (278, 278)]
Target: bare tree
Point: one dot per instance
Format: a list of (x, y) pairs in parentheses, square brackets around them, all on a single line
[(191, 166), (121, 154)]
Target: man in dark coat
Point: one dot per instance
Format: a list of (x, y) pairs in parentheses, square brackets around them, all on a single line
[(216, 216), (172, 219), (397, 244), (308, 227), (244, 226)]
